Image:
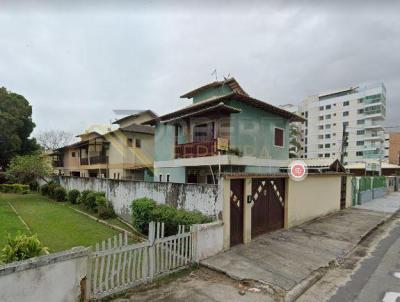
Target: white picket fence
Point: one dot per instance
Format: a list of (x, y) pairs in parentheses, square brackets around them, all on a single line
[(116, 265)]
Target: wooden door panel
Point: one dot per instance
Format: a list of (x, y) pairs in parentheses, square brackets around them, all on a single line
[(236, 209)]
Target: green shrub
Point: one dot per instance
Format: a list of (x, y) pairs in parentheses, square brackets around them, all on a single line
[(44, 190), (22, 247), (146, 210), (73, 196), (83, 196), (14, 188), (34, 186), (51, 188), (106, 211), (142, 213), (90, 201), (59, 194)]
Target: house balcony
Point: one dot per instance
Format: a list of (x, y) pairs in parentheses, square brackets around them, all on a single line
[(58, 163), (94, 160), (200, 149)]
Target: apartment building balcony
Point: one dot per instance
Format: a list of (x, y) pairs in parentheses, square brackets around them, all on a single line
[(197, 149), (84, 161), (373, 124), (374, 137)]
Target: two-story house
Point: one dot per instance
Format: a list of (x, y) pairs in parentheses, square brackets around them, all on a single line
[(124, 153), (224, 130)]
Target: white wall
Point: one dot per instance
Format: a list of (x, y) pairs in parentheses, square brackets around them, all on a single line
[(54, 277), (204, 198), (209, 239)]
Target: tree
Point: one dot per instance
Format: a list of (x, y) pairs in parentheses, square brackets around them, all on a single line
[(26, 169), (16, 126), (294, 141), (54, 139)]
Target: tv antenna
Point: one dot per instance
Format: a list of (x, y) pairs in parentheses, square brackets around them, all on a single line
[(215, 74)]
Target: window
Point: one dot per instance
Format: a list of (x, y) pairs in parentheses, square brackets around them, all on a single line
[(320, 136), (168, 177), (328, 107), (360, 132), (360, 143), (345, 113), (320, 146), (345, 124), (360, 101), (346, 103), (359, 153), (129, 142), (328, 116), (321, 118), (328, 126), (327, 154), (160, 178), (327, 136), (360, 111), (321, 127), (360, 122), (306, 114), (320, 155), (327, 145), (138, 143), (278, 137), (321, 107), (73, 154)]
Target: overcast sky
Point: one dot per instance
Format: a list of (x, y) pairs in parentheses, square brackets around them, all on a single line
[(76, 63)]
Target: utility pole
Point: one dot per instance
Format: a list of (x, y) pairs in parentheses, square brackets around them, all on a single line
[(344, 143)]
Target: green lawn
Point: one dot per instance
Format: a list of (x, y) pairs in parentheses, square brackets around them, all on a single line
[(9, 223), (58, 226)]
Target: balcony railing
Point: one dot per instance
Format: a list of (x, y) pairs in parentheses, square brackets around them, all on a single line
[(196, 149), (58, 163), (84, 161), (101, 159)]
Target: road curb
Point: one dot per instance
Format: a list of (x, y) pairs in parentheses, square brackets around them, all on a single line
[(315, 276)]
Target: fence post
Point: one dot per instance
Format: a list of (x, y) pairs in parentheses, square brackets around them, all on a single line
[(88, 287), (152, 255), (195, 235)]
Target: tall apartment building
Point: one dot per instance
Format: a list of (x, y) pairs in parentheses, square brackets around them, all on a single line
[(360, 109)]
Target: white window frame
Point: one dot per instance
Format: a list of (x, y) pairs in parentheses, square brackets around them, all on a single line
[(283, 137)]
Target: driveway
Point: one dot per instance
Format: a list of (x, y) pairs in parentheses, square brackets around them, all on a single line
[(284, 258)]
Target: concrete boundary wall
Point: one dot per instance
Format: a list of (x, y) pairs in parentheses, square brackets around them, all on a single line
[(54, 277), (204, 198), (209, 239)]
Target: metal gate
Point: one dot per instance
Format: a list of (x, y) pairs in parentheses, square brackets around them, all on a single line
[(116, 265), (267, 213)]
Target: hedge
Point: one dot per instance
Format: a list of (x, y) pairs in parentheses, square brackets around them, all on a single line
[(145, 210), (14, 188), (73, 196)]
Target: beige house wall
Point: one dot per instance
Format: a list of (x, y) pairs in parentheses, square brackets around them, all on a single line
[(139, 119), (313, 197)]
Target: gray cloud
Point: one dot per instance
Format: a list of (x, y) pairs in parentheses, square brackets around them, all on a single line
[(77, 62)]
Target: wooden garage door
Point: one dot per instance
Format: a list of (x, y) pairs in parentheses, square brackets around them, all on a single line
[(236, 206), (267, 213)]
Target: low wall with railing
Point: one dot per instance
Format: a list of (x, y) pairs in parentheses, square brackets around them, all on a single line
[(208, 199), (367, 188), (54, 277)]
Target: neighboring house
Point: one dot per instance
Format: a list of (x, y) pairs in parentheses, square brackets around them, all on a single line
[(125, 153), (224, 130)]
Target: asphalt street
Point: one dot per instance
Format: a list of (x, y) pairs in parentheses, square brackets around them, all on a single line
[(378, 277)]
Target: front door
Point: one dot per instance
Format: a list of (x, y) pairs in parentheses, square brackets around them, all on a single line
[(236, 207), (267, 213)]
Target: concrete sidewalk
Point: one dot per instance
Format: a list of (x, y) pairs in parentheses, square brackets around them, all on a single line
[(388, 204), (285, 258)]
